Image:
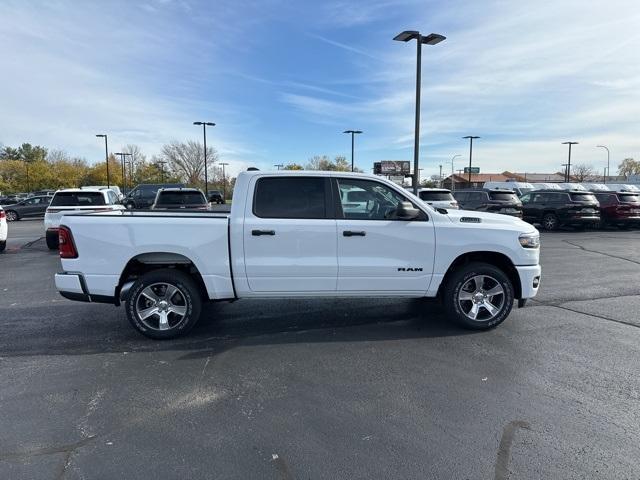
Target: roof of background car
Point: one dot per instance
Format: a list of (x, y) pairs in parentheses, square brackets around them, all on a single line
[(177, 189), (83, 190), (443, 190)]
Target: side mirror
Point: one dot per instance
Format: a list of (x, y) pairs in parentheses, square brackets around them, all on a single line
[(406, 211)]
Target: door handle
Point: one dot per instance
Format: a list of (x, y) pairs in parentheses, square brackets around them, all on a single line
[(257, 233), (351, 233)]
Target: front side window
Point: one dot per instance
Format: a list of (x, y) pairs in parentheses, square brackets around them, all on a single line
[(290, 197), (369, 200)]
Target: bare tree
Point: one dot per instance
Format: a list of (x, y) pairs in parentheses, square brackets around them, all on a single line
[(136, 153), (582, 172), (186, 160), (629, 166), (323, 162)]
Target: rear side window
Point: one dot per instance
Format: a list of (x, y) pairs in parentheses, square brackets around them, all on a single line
[(503, 197), (77, 199), (477, 197), (290, 197), (436, 196), (461, 196), (181, 198), (628, 198), (583, 197)]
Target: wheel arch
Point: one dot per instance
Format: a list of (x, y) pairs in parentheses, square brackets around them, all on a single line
[(497, 259), (150, 261)]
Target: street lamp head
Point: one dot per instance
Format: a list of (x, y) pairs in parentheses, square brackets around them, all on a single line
[(210, 124), (352, 131), (406, 35), (101, 135), (432, 39), (471, 136), (569, 143)]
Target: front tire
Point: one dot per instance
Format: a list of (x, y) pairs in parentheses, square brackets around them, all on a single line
[(478, 296), (164, 304), (12, 216), (52, 240)]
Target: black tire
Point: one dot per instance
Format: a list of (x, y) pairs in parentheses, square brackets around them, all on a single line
[(464, 276), (188, 296), (550, 222), (12, 215), (52, 240), (3, 245)]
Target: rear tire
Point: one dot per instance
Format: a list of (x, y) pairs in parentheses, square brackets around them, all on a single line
[(3, 245), (478, 290), (550, 222), (164, 304), (52, 240), (12, 216)]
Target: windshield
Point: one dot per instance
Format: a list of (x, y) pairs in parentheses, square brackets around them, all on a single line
[(583, 197), (77, 199), (629, 198), (436, 196), (181, 198), (504, 197)]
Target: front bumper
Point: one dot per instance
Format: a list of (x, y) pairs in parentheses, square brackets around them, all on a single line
[(530, 276)]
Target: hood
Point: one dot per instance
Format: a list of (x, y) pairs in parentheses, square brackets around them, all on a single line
[(484, 219)]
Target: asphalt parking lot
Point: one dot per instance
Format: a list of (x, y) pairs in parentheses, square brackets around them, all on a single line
[(327, 389)]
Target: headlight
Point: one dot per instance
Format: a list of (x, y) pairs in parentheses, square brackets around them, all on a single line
[(530, 240)]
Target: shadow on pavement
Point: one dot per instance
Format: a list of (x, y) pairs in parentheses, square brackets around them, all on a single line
[(80, 329)]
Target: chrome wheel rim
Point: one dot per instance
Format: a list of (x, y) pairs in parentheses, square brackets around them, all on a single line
[(161, 306), (481, 298), (11, 216)]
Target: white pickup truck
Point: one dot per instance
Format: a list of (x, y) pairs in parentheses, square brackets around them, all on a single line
[(288, 235)]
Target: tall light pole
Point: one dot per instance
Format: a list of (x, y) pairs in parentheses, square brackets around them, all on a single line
[(440, 181), (608, 172), (106, 155), (124, 173), (279, 165), (569, 162), (224, 182), (453, 185), (471, 139), (353, 134), (431, 39), (204, 134)]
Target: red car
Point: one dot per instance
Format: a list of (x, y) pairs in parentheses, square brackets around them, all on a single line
[(619, 208)]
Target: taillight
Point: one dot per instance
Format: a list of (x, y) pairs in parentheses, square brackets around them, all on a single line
[(2, 214), (65, 243)]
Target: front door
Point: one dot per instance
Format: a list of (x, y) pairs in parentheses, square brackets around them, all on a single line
[(290, 236), (376, 250)]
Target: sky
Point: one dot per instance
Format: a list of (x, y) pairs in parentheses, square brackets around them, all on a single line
[(283, 79)]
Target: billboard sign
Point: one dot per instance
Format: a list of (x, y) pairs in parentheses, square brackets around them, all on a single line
[(395, 167)]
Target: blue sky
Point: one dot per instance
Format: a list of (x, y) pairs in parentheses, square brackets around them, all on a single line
[(283, 79)]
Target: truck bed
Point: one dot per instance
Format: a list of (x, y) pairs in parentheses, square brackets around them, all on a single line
[(108, 242)]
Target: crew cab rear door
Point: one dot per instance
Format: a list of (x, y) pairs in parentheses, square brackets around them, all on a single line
[(290, 235), (377, 252)]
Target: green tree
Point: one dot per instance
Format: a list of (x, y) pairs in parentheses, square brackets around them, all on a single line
[(293, 166), (323, 162)]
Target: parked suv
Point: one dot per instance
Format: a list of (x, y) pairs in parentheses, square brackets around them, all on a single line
[(438, 197), (144, 194), (75, 200), (216, 196), (501, 201), (28, 208), (180, 198), (555, 208), (619, 208)]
